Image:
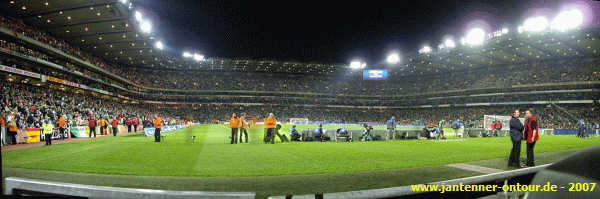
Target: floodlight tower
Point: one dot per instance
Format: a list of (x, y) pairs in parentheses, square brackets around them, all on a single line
[(426, 49), (567, 20), (393, 58), (475, 37), (535, 24), (357, 64)]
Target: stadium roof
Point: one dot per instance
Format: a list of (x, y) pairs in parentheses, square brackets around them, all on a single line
[(511, 48), (104, 28), (109, 29)]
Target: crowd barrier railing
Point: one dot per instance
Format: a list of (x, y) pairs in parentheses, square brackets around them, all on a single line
[(22, 186), (523, 176)]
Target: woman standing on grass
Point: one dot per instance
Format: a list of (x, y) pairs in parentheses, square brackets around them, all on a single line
[(516, 135)]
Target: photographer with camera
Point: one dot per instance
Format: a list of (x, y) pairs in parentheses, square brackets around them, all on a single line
[(295, 136), (366, 135), (343, 133), (320, 135)]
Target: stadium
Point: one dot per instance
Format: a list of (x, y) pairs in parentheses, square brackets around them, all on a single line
[(96, 103)]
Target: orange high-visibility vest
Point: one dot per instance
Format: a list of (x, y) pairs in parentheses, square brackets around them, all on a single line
[(234, 122), (270, 123), (12, 126), (157, 123), (62, 123)]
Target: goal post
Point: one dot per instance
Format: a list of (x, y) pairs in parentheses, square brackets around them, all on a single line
[(505, 120), (298, 120)]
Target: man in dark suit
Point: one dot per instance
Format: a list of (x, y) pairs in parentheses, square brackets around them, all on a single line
[(516, 135)]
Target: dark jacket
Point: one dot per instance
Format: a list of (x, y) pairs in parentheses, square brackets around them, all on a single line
[(516, 129)]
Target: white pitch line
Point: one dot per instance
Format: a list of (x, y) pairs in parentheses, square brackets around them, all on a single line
[(470, 167)]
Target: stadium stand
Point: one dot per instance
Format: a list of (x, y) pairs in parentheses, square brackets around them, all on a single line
[(484, 84), (77, 68)]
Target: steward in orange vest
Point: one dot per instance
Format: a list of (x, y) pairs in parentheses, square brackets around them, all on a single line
[(157, 127), (234, 124), (61, 126), (270, 124)]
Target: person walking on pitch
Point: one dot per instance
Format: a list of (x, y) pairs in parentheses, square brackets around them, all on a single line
[(115, 126)]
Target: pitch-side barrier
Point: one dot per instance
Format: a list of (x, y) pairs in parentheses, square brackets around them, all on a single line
[(523, 176), (29, 187)]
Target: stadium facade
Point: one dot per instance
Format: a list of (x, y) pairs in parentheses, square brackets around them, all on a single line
[(102, 49)]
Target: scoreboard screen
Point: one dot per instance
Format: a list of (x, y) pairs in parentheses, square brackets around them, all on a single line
[(375, 74)]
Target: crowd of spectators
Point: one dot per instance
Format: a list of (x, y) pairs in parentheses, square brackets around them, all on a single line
[(565, 70), (324, 100), (18, 27), (30, 103), (547, 116), (28, 106), (501, 76)]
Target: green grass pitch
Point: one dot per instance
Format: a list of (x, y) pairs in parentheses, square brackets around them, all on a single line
[(210, 159)]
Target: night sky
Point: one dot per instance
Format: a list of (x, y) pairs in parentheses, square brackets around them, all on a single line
[(324, 31)]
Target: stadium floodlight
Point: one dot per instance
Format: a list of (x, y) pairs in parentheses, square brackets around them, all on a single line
[(535, 24), (159, 45), (198, 57), (449, 43), (138, 16), (145, 26), (475, 37), (355, 65), (567, 20), (393, 58), (504, 30), (187, 54), (425, 50), (520, 29)]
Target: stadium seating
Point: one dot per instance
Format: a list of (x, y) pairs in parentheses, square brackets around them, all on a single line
[(53, 68), (175, 92)]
